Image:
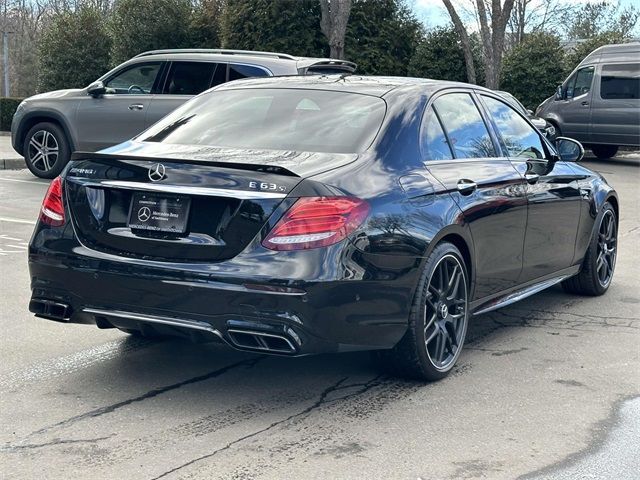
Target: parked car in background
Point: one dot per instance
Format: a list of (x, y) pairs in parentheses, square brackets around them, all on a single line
[(540, 123), (302, 215), (48, 127), (599, 103)]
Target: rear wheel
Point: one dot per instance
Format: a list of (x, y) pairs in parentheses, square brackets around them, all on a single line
[(438, 321), (46, 150), (604, 151), (600, 260)]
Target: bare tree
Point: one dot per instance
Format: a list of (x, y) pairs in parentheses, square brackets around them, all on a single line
[(464, 40), (492, 18), (540, 16), (333, 23)]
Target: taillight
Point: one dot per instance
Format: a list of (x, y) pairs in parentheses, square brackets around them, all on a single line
[(313, 222), (52, 211)]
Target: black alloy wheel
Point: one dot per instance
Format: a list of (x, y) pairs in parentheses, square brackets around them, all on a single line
[(438, 321), (445, 313), (607, 244), (599, 262)]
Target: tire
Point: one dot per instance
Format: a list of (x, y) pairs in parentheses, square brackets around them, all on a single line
[(592, 280), (604, 151), (46, 150), (416, 356)]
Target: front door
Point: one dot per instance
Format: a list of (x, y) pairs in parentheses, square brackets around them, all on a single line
[(553, 193), (489, 191), (575, 108), (120, 113)]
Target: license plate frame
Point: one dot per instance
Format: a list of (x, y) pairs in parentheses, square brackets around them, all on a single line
[(157, 213)]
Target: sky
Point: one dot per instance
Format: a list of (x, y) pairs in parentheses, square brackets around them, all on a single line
[(433, 14)]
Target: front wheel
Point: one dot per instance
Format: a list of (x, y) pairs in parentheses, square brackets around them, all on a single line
[(438, 320), (604, 151), (600, 260), (46, 150)]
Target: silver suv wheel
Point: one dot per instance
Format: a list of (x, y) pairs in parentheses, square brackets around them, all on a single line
[(43, 150)]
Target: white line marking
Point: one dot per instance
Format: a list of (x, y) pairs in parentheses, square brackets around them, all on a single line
[(7, 237), (22, 181), (17, 220), (16, 246)]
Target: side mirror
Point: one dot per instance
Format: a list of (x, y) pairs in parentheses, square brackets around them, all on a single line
[(530, 112), (569, 150), (96, 89), (559, 95)]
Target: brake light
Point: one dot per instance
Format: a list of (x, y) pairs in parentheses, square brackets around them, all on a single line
[(314, 222), (52, 211)]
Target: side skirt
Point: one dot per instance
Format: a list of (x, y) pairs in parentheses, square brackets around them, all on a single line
[(521, 292)]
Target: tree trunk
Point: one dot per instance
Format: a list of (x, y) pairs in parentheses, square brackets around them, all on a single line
[(333, 24), (464, 39)]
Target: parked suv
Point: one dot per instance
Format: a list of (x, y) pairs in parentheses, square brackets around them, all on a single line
[(599, 103), (47, 128)]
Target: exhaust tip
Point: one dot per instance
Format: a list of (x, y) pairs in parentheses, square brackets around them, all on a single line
[(50, 309), (265, 342)]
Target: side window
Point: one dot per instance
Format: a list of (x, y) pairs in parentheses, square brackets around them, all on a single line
[(135, 80), (434, 141), (465, 128), (520, 138), (620, 82), (220, 75), (189, 78), (582, 84), (237, 72)]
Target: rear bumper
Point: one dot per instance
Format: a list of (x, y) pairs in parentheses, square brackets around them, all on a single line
[(329, 310)]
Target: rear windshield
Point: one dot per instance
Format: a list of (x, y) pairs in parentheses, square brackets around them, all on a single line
[(274, 119)]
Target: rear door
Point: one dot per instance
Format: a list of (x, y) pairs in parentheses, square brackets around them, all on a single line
[(552, 189), (615, 110), (575, 109), (461, 153), (120, 113), (183, 81)]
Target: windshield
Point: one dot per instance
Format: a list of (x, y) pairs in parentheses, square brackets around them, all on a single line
[(274, 119)]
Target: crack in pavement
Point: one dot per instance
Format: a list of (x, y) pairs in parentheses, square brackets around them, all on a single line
[(145, 396), (52, 443), (322, 400)]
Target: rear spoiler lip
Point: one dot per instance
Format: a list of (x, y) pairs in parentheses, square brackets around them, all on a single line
[(339, 65), (106, 157)]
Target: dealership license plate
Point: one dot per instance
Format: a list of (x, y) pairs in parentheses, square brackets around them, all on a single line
[(159, 213)]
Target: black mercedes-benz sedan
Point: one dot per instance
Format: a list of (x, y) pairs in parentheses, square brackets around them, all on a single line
[(323, 214)]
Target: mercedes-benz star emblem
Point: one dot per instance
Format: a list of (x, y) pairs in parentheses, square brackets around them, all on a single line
[(156, 172), (144, 214)]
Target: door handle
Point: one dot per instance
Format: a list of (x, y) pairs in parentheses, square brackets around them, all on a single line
[(584, 103), (466, 186), (531, 178), (136, 106)]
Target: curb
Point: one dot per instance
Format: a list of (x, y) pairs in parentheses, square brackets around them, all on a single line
[(12, 164)]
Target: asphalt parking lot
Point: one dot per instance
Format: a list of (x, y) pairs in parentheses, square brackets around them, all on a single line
[(547, 388)]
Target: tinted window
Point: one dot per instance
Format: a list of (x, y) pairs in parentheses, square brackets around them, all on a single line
[(620, 81), (466, 130), (189, 78), (135, 80), (237, 72), (220, 75), (581, 84), (520, 138), (278, 119), (434, 141)]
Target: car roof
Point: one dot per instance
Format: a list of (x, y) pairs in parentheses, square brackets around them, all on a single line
[(267, 59), (378, 86), (620, 52)]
